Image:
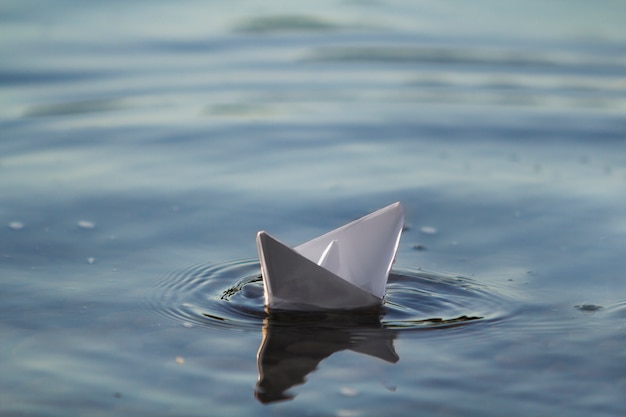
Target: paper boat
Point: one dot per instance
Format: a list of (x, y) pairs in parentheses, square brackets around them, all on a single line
[(344, 269)]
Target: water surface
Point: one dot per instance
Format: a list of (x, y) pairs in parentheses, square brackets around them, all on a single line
[(143, 144)]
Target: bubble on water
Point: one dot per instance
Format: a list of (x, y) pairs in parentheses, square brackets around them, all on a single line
[(428, 230), (16, 225), (85, 224)]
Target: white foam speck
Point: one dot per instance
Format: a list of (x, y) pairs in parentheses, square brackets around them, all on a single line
[(349, 391), (428, 230), (86, 224), (16, 225), (348, 413)]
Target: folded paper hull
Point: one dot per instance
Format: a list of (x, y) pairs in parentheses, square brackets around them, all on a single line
[(293, 282), (346, 268)]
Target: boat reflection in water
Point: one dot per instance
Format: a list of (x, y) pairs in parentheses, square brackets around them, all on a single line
[(294, 344)]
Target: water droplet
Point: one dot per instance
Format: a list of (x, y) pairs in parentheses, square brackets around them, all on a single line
[(428, 230), (16, 225), (85, 224), (348, 391), (348, 413)]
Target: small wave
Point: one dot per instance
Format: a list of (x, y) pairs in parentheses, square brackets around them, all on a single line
[(230, 295)]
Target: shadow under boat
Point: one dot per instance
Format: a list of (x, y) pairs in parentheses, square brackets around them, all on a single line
[(294, 344)]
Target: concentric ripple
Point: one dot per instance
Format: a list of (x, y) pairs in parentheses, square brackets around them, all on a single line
[(230, 295)]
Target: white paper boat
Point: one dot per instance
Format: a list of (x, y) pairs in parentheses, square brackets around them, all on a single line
[(344, 269)]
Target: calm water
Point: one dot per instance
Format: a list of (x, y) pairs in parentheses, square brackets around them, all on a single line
[(143, 144)]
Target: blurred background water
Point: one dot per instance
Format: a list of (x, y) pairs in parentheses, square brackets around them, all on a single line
[(143, 144)]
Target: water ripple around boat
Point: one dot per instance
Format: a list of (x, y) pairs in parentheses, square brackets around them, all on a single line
[(230, 295)]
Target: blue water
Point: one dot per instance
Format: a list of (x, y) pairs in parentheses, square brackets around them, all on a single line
[(143, 145)]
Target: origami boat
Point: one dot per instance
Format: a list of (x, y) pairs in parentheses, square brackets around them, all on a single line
[(344, 269)]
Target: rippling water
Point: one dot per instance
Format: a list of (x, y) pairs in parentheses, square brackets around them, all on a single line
[(143, 145), (231, 296)]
